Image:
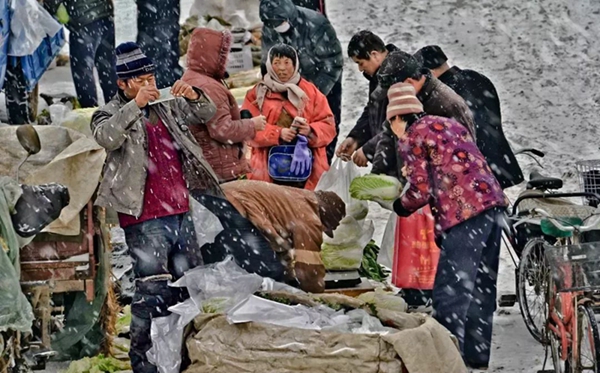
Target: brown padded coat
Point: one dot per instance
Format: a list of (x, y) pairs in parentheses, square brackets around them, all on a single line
[(289, 219), (221, 138)]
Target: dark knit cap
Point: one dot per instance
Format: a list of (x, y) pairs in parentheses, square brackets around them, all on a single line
[(332, 210), (132, 62), (395, 68), (431, 56)]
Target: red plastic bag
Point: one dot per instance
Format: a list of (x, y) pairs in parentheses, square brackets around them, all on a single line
[(416, 254)]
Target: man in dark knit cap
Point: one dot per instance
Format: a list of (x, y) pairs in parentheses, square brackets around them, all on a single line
[(152, 163), (481, 96), (436, 97)]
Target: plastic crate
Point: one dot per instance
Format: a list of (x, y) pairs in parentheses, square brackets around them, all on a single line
[(575, 267), (37, 63), (4, 36), (589, 179), (240, 59)]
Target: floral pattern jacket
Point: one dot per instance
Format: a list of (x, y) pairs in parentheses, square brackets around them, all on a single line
[(446, 170)]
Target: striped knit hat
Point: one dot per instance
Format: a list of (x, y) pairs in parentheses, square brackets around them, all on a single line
[(403, 100), (132, 62)]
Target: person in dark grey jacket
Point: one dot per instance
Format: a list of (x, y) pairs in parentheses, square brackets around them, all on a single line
[(91, 44), (319, 50), (481, 96), (436, 97), (368, 51)]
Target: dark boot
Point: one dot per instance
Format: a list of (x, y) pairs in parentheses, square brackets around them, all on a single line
[(151, 299)]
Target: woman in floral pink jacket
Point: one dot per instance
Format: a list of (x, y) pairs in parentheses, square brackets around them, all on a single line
[(447, 171)]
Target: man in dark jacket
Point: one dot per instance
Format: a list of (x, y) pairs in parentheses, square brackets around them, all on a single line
[(91, 44), (368, 51), (319, 50), (158, 35), (481, 96), (436, 97)]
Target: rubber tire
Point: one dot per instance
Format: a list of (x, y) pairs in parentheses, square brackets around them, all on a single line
[(587, 312), (538, 334)]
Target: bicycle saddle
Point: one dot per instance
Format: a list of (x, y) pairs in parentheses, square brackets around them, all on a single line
[(539, 181)]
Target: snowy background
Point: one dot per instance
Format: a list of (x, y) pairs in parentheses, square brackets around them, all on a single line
[(543, 57)]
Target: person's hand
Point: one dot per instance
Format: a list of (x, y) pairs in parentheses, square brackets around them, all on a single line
[(301, 125), (259, 122), (404, 171), (287, 135), (346, 149), (182, 89), (388, 205), (146, 94), (360, 159)]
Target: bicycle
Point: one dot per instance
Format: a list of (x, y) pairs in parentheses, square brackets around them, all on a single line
[(524, 239), (574, 275)]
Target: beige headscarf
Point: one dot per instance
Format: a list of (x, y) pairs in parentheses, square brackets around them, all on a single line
[(271, 82)]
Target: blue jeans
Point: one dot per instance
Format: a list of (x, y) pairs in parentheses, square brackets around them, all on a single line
[(464, 292), (159, 247), (92, 46), (158, 37)]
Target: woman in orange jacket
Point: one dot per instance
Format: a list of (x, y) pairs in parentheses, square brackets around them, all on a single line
[(297, 114)]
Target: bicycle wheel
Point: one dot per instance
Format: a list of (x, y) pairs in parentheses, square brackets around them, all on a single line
[(560, 366), (532, 286), (588, 341)]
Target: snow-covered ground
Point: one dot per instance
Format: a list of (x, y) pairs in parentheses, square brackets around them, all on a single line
[(543, 57)]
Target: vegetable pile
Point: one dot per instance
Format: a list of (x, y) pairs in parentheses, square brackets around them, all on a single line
[(371, 186), (369, 267), (98, 364)]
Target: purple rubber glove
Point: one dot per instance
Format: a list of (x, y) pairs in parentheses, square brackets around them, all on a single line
[(301, 160)]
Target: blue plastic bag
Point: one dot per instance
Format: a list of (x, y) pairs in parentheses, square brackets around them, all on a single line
[(35, 40), (280, 164), (36, 64)]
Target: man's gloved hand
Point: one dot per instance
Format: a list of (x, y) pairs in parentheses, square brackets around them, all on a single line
[(301, 160)]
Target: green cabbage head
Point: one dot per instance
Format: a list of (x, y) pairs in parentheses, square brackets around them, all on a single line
[(371, 186)]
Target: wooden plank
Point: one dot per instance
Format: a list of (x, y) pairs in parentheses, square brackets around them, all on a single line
[(364, 287)]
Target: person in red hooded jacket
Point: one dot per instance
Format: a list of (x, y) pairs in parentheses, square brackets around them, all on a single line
[(295, 110), (222, 137)]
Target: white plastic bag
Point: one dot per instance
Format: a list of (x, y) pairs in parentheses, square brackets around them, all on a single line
[(30, 23), (386, 249), (207, 225), (346, 255), (338, 180)]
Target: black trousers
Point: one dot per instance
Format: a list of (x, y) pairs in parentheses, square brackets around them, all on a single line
[(334, 98), (240, 239)]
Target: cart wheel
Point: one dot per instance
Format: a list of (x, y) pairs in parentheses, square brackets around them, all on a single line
[(532, 285), (588, 341)]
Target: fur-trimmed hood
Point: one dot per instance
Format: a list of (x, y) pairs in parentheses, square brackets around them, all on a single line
[(208, 52)]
